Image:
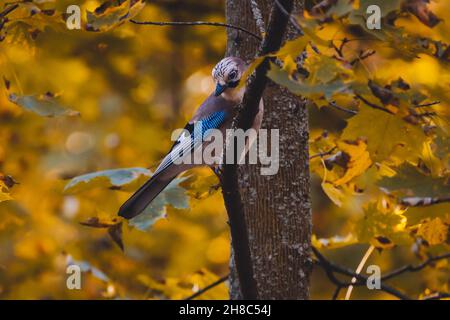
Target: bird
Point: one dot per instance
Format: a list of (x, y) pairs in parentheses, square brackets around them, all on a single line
[(216, 112)]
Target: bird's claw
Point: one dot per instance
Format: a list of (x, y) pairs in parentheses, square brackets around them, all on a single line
[(218, 171)]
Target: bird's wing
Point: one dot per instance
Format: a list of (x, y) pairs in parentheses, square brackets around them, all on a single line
[(213, 114), (192, 136)]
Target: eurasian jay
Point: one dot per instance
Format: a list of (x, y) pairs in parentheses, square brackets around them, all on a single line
[(216, 112)]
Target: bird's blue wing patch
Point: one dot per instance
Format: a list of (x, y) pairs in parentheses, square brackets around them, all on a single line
[(213, 121), (197, 133)]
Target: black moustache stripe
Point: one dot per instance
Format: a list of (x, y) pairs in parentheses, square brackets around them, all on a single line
[(233, 84)]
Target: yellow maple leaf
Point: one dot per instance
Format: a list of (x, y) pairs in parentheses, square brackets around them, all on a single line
[(289, 65), (336, 195), (359, 160), (4, 195), (431, 161), (433, 231)]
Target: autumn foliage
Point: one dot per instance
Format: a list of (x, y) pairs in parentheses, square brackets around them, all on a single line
[(85, 115)]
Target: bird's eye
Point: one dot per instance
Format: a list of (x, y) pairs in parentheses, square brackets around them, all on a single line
[(232, 75)]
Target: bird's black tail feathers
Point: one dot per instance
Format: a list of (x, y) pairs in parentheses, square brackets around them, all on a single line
[(144, 195)]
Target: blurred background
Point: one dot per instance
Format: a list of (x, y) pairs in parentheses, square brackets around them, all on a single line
[(133, 86)]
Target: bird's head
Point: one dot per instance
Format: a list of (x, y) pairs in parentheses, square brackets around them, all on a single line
[(227, 75)]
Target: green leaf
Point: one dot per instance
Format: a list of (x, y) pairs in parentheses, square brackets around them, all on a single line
[(123, 179), (386, 135), (382, 228), (45, 105), (293, 47), (388, 32), (324, 69), (360, 16), (281, 77), (341, 8), (411, 183), (416, 214), (442, 143), (385, 6), (173, 195)]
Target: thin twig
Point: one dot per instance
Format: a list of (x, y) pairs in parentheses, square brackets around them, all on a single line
[(4, 13), (330, 268), (208, 287), (336, 292), (426, 114), (427, 104), (196, 23), (362, 56), (423, 202), (8, 10), (336, 106), (412, 268), (339, 50), (437, 296), (322, 154), (373, 105)]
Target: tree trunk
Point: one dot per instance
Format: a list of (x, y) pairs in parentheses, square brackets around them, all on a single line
[(277, 208)]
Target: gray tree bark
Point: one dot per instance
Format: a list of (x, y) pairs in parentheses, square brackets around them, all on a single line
[(277, 208)]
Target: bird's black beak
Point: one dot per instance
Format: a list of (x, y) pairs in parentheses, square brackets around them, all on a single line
[(220, 89)]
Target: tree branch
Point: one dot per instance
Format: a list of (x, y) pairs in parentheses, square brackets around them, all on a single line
[(411, 268), (244, 119), (337, 107), (331, 268), (322, 154), (372, 105), (340, 50), (196, 23), (423, 201), (362, 56), (437, 296), (208, 287), (427, 104), (4, 13)]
